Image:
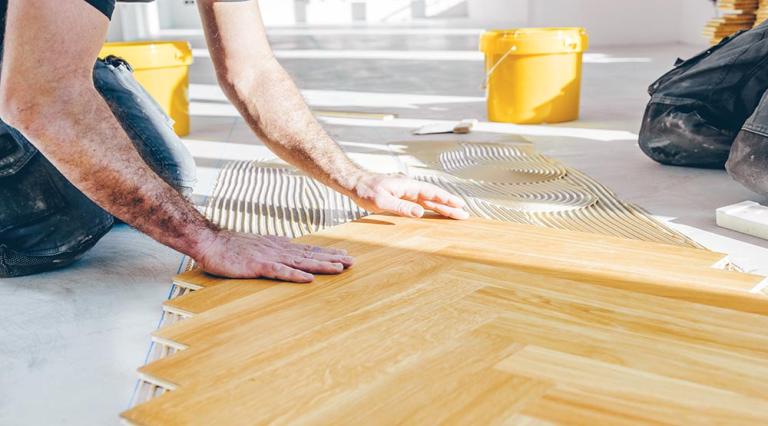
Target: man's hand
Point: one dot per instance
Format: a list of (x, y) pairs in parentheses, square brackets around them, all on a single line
[(235, 255), (406, 197)]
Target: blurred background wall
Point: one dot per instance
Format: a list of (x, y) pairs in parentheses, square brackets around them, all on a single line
[(609, 22)]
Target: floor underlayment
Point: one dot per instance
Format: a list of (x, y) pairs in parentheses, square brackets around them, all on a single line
[(506, 182)]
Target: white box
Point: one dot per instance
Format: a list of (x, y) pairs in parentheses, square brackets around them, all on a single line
[(747, 217)]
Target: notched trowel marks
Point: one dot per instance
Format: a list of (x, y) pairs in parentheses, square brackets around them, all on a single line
[(512, 182), (482, 163), (499, 164), (495, 176), (266, 198), (501, 181)]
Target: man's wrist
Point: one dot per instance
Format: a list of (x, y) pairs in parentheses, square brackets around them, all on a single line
[(356, 175), (203, 238)]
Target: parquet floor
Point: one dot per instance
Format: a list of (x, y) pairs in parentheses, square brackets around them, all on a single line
[(474, 322)]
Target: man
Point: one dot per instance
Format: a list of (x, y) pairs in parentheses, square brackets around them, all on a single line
[(80, 144), (711, 111)]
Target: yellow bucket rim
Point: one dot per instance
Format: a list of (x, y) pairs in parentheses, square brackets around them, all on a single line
[(532, 41), (150, 54)]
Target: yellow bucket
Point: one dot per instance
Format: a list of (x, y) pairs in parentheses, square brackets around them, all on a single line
[(534, 74), (163, 69)]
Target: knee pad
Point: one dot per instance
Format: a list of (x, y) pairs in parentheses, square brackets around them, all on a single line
[(748, 160)]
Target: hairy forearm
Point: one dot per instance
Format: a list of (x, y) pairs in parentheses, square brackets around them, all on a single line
[(75, 129), (275, 110), (266, 96), (269, 101)]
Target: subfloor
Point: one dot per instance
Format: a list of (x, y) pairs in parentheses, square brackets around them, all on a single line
[(70, 341)]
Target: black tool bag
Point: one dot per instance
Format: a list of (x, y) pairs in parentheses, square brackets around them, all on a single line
[(697, 109)]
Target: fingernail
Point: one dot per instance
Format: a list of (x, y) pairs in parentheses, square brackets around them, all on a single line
[(417, 212)]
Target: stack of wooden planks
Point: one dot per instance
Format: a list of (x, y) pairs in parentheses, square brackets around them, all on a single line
[(762, 12), (736, 15), (472, 322)]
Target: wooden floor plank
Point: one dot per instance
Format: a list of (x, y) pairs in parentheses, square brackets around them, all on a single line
[(462, 388), (719, 330), (564, 406), (210, 297), (321, 318), (709, 366), (678, 400)]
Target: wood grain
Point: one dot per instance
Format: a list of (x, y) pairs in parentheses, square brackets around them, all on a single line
[(474, 322)]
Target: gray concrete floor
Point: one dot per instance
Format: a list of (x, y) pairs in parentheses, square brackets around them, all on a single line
[(71, 340)]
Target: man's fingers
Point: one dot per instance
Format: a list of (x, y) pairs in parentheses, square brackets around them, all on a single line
[(277, 271), (451, 212), (390, 204), (312, 265), (437, 199), (323, 254), (347, 261), (446, 198), (315, 249), (422, 191)]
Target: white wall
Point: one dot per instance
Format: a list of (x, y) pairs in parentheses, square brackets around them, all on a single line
[(177, 14), (694, 15), (608, 22), (116, 32), (612, 22), (499, 14)]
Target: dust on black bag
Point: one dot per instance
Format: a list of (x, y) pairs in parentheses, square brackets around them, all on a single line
[(697, 109)]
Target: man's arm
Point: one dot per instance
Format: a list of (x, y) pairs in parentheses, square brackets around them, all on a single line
[(269, 101), (47, 93)]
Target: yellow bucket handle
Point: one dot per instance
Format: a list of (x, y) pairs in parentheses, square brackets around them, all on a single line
[(496, 65), (569, 42)]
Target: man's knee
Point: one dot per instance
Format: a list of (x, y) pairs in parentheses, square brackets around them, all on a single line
[(183, 173), (748, 161), (679, 136), (147, 125)]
